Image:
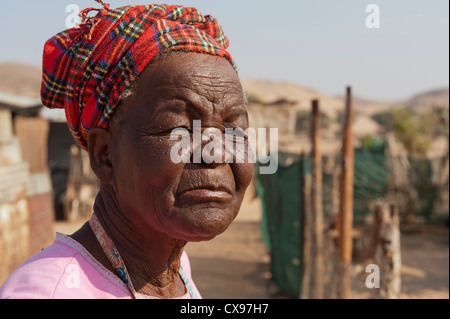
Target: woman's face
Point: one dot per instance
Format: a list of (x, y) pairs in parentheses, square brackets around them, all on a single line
[(188, 201)]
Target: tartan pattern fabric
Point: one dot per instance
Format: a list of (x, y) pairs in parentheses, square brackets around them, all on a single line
[(85, 69)]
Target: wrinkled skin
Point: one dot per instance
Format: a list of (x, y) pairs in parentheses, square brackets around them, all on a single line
[(150, 206), (172, 93)]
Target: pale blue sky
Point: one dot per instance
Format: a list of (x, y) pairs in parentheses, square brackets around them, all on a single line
[(321, 44)]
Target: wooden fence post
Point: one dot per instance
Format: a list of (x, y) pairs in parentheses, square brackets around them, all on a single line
[(305, 289), (387, 255), (345, 221), (316, 205)]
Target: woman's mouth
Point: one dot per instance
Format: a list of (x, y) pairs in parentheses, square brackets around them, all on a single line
[(206, 194)]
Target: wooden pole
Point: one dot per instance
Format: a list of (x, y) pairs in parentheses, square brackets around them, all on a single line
[(387, 253), (305, 291), (316, 204), (346, 200), (396, 261)]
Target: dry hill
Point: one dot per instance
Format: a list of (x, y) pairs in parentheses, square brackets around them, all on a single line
[(20, 79), (438, 97), (280, 104)]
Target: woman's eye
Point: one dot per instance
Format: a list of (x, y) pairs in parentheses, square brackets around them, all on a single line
[(174, 130)]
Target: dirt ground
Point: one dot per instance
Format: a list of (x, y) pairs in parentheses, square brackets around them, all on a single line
[(425, 264), (236, 263)]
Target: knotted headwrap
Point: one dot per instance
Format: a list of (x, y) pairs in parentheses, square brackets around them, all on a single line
[(85, 69)]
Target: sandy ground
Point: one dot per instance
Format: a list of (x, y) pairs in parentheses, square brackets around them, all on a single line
[(236, 263), (425, 264)]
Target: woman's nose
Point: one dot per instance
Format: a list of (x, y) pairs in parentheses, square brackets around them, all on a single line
[(210, 148)]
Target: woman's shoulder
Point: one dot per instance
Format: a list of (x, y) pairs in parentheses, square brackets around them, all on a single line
[(62, 270), (38, 276)]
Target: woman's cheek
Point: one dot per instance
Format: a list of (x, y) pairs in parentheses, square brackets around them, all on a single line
[(145, 167), (243, 173)]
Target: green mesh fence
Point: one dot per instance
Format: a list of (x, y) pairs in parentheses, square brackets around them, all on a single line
[(370, 180), (282, 205), (281, 223)]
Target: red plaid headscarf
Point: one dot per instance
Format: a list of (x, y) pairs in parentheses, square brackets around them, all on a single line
[(85, 69)]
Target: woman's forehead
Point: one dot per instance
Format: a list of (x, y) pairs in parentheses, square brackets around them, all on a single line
[(187, 75), (189, 83), (191, 67)]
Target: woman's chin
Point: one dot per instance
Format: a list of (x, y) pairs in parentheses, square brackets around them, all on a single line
[(206, 230)]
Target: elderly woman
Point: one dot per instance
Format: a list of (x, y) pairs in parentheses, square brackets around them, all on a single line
[(127, 78)]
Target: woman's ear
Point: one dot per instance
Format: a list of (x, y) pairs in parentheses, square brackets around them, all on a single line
[(98, 146)]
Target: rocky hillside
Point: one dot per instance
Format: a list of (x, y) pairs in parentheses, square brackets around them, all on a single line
[(280, 104), (438, 97)]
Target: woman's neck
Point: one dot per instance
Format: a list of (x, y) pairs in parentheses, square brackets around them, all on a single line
[(151, 257)]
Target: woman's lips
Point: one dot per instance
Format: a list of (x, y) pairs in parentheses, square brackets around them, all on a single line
[(202, 195)]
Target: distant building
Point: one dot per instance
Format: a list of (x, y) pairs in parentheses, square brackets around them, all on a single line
[(59, 142)]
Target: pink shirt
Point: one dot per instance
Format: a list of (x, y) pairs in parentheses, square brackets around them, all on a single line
[(66, 270)]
